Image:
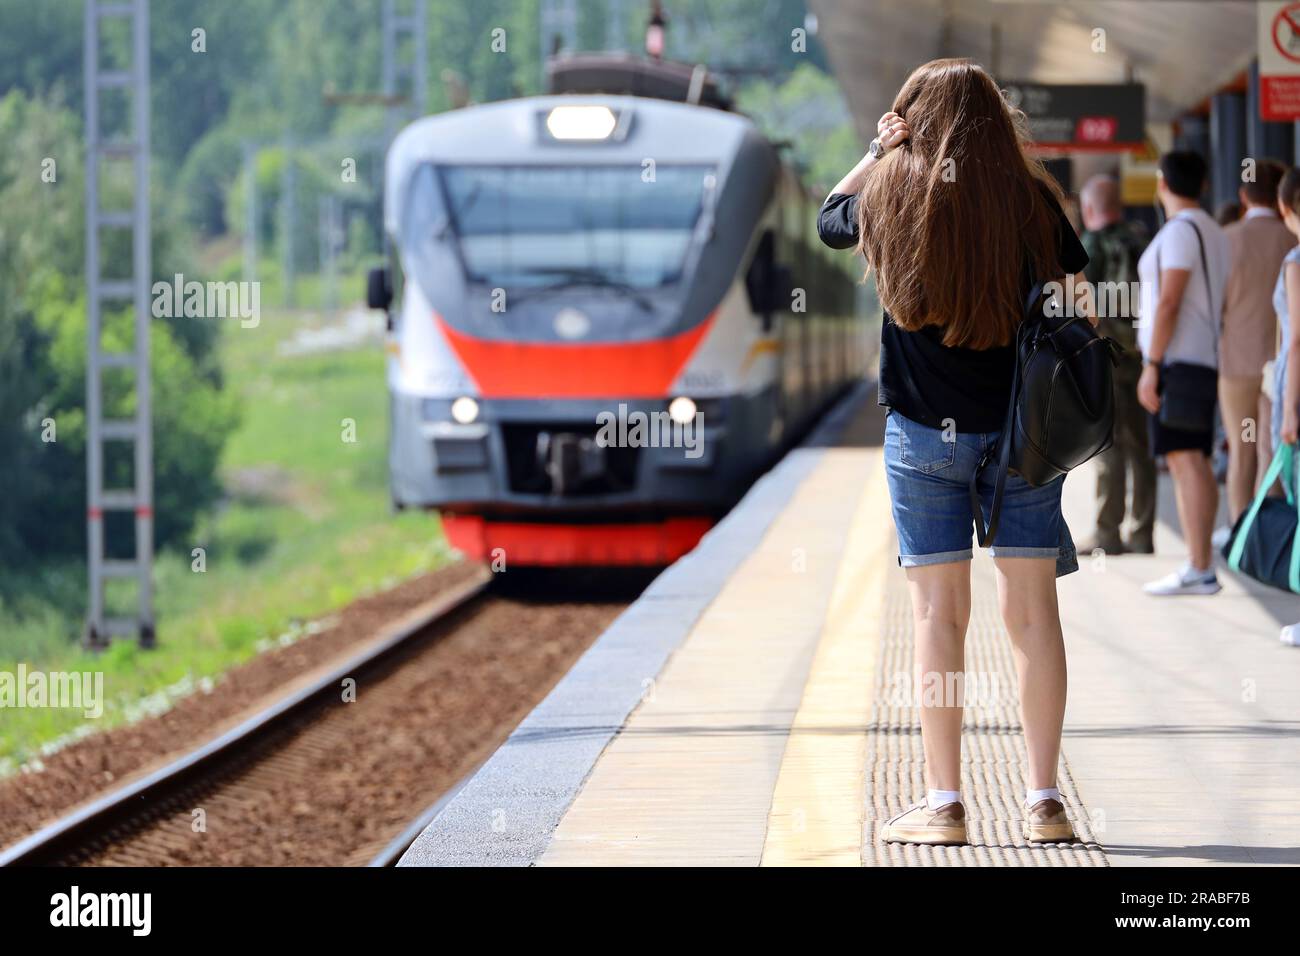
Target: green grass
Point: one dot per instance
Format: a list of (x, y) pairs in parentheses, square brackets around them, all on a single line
[(306, 529), (309, 288)]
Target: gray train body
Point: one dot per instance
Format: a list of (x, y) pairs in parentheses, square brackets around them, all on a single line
[(552, 285)]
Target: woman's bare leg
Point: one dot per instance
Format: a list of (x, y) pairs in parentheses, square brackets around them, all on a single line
[(1027, 598), (941, 612)]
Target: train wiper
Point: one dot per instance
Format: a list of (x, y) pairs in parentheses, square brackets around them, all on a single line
[(452, 216), (571, 276)]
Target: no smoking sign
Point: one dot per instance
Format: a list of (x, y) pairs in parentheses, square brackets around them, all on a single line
[(1279, 61), (1286, 31)]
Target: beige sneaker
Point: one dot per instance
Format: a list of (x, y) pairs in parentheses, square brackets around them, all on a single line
[(943, 827), (1046, 822)]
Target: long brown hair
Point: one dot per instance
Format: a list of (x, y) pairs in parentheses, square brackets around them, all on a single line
[(1288, 190), (949, 219)]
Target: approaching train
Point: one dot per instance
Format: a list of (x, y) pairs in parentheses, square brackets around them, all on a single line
[(610, 315)]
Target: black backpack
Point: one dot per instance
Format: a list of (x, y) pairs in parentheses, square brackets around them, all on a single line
[(1062, 407)]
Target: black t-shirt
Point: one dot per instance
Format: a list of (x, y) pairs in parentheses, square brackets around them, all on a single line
[(924, 379)]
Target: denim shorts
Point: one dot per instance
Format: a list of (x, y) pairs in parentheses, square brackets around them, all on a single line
[(929, 471)]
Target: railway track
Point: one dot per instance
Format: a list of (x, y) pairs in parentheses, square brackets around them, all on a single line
[(343, 768)]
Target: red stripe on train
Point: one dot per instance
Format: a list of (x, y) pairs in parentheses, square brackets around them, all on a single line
[(504, 369), (558, 545)]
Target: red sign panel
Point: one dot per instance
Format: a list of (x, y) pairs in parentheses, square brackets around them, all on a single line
[(1279, 98)]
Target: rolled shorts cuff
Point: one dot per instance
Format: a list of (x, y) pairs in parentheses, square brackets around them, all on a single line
[(1002, 551), (1067, 558), (939, 557)]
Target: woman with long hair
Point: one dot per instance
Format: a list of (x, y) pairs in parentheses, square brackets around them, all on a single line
[(957, 220)]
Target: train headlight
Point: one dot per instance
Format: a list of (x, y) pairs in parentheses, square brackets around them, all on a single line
[(581, 122), (464, 410), (682, 410)]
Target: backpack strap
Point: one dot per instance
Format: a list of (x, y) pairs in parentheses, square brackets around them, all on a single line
[(1215, 329), (1002, 449)]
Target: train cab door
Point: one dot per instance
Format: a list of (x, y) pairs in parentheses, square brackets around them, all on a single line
[(765, 281)]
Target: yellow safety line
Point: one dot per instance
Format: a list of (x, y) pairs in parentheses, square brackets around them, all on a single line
[(816, 816)]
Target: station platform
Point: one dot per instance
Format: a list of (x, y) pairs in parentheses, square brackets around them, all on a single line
[(746, 709)]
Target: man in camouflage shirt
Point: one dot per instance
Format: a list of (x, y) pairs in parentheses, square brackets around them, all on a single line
[(1114, 248)]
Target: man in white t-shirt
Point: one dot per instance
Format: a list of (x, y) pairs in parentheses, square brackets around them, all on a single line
[(1183, 275)]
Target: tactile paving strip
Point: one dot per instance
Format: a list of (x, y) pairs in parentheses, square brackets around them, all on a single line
[(993, 750)]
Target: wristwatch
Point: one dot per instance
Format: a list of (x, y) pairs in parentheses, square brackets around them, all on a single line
[(876, 149)]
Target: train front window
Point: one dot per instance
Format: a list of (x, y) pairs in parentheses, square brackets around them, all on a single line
[(559, 226)]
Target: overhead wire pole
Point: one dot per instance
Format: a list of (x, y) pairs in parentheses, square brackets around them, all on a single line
[(250, 211), (288, 217), (557, 21), (138, 429), (615, 26), (410, 103), (329, 236)]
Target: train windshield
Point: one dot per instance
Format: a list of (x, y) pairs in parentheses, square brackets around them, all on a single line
[(557, 226)]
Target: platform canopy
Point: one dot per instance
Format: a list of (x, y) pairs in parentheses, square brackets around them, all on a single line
[(1182, 50)]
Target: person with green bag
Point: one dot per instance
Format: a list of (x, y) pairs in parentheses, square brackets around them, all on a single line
[(1256, 545), (1264, 544)]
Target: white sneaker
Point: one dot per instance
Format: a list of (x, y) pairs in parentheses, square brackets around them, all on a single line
[(1291, 634), (1186, 580), (1220, 537)]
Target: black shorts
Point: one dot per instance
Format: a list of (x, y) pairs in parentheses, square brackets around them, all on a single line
[(1164, 439)]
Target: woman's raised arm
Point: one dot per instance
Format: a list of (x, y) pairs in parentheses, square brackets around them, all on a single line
[(891, 130), (837, 224)]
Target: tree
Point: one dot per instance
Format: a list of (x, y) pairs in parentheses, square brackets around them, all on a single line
[(43, 353), (809, 111)]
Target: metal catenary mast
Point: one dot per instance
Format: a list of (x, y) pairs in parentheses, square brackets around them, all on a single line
[(409, 102), (109, 291)]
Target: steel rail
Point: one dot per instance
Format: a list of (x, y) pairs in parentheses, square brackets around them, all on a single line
[(102, 813)]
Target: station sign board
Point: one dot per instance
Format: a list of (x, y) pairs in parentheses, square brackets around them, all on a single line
[(1279, 60), (1099, 117)]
